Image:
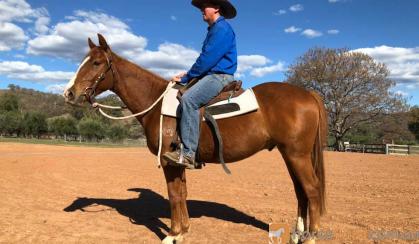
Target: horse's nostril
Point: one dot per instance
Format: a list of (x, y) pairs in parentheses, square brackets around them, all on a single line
[(69, 95)]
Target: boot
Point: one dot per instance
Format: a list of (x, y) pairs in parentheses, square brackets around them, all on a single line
[(174, 159)]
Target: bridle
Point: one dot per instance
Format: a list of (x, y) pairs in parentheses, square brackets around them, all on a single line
[(90, 91)]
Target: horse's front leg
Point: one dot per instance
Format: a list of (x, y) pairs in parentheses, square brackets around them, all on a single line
[(176, 187), (185, 225)]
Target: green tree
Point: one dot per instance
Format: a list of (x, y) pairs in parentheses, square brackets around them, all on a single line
[(10, 123), (117, 133), (34, 124), (355, 88), (9, 102), (63, 126), (92, 128)]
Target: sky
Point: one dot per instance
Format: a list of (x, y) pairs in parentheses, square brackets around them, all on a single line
[(42, 42)]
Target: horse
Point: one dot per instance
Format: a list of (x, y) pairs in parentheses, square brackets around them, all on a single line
[(290, 119)]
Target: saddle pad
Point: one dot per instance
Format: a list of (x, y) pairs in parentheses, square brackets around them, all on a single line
[(247, 102)]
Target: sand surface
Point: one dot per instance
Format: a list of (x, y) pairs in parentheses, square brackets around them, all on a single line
[(67, 194)]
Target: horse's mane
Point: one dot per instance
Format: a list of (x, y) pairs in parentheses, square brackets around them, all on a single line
[(143, 72)]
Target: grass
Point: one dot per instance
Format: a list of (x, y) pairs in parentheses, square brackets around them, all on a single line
[(60, 142)]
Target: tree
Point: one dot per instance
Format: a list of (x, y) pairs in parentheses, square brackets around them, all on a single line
[(34, 123), (10, 122), (9, 102), (117, 133), (10, 116), (91, 128), (63, 126), (414, 121), (355, 88)]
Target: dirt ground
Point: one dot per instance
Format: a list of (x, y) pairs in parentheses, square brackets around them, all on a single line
[(59, 194)]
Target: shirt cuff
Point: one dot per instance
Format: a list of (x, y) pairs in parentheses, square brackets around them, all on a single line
[(184, 79)]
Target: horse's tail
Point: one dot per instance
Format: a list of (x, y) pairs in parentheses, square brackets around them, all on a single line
[(317, 155)]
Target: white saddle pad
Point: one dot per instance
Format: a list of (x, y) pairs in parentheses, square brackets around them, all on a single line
[(247, 102)]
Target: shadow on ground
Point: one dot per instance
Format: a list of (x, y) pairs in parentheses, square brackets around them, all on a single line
[(149, 207)]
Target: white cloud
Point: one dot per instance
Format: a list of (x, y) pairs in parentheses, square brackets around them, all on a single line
[(280, 12), (56, 88), (333, 32), (335, 1), (169, 60), (23, 71), (262, 71), (249, 62), (168, 55), (41, 25), (403, 63), (292, 29), (11, 36), (296, 8), (12, 11), (402, 93), (310, 33), (256, 65), (17, 10), (69, 39)]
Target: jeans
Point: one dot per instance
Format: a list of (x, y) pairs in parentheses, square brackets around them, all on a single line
[(192, 100)]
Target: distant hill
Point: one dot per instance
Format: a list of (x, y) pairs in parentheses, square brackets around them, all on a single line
[(50, 104), (31, 100)]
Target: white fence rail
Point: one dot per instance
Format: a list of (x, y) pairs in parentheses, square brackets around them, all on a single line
[(392, 149), (401, 149)]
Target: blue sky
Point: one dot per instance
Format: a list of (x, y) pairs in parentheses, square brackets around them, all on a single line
[(43, 41)]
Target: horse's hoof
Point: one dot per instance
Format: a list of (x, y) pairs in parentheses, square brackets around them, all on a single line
[(294, 238), (172, 239)]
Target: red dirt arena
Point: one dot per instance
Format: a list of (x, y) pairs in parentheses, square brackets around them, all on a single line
[(69, 194)]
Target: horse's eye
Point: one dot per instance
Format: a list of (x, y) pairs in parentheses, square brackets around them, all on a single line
[(96, 63)]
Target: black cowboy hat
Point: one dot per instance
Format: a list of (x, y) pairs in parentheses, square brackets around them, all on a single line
[(226, 8)]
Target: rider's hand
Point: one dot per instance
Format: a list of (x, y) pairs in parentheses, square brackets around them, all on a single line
[(178, 77)]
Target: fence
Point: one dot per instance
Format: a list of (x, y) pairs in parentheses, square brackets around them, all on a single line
[(366, 148), (401, 149), (392, 149)]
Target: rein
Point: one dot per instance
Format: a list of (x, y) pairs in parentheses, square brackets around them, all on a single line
[(100, 106), (89, 93)]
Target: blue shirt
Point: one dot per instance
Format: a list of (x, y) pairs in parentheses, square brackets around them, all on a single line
[(218, 55)]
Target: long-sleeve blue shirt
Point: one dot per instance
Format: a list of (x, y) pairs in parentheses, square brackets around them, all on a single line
[(219, 53)]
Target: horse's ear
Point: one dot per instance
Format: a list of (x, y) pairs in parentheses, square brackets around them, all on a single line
[(91, 44), (102, 42)]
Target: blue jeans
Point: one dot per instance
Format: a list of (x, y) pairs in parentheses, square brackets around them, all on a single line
[(194, 98)]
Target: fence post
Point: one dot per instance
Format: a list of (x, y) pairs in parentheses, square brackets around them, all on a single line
[(408, 149), (387, 149)]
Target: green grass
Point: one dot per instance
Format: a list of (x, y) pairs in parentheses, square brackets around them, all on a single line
[(136, 143)]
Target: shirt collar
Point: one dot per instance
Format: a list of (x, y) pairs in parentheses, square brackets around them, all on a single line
[(221, 18)]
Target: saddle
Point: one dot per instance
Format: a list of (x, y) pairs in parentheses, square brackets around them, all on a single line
[(233, 89)]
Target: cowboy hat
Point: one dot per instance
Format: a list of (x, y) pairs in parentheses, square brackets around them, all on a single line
[(226, 8)]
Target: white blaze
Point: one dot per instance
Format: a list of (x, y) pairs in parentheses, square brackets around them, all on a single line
[(71, 83)]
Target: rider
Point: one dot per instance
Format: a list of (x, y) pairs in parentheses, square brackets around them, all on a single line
[(215, 68)]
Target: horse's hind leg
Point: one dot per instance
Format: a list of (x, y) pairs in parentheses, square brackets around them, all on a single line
[(301, 169)]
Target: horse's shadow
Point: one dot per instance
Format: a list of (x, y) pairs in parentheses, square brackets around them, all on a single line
[(149, 207)]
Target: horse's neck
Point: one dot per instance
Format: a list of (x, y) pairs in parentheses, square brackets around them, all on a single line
[(138, 88)]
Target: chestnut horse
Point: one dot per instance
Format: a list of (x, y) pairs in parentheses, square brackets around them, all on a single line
[(289, 118)]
